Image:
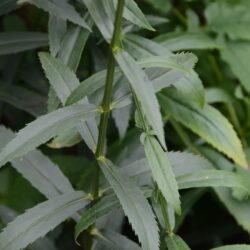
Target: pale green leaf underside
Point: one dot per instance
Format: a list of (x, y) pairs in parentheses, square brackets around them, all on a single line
[(44, 128), (162, 172), (134, 205), (144, 91), (207, 122), (39, 220)]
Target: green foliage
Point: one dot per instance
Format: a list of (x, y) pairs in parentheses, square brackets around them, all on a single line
[(161, 88)]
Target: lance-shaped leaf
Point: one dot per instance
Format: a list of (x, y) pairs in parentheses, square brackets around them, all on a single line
[(134, 205), (133, 13), (144, 90), (61, 9), (64, 81), (14, 42), (207, 122), (43, 174), (44, 128), (211, 178), (57, 29), (175, 242), (39, 220), (162, 172), (7, 215)]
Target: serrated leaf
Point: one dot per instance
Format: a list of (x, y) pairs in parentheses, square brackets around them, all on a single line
[(211, 178), (143, 89), (162, 172), (44, 128), (43, 174), (14, 42), (182, 163), (233, 247), (133, 13), (7, 214), (99, 209), (61, 9), (134, 205), (64, 81), (60, 76), (175, 242), (207, 122), (39, 220)]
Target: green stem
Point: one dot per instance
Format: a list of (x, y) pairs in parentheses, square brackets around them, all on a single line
[(163, 205), (115, 45)]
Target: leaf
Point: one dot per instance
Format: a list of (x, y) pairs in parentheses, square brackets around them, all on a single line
[(100, 208), (211, 178), (70, 138), (233, 247), (44, 128), (39, 220), (179, 67), (141, 47), (134, 205), (61, 9), (133, 13), (73, 44), (215, 94), (60, 76), (236, 54), (23, 99), (43, 174), (207, 122), (115, 241), (57, 29), (102, 16), (162, 172), (177, 41), (7, 215), (143, 89), (14, 42), (175, 242), (224, 17), (182, 163)]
